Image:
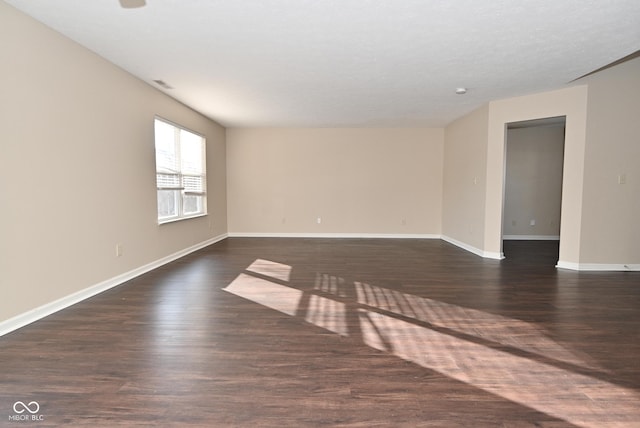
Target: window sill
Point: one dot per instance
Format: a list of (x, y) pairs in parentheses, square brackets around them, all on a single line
[(174, 220)]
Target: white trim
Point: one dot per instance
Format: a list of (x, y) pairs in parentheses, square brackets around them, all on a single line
[(492, 255), (177, 125), (331, 235), (600, 267), (174, 219), (49, 308), (33, 315), (531, 237), (568, 265), (474, 250)]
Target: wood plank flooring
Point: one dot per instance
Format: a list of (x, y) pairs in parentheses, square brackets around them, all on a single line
[(267, 332)]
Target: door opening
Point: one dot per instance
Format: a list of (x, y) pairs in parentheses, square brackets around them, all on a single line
[(532, 203)]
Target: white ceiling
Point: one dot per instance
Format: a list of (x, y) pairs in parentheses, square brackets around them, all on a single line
[(320, 63)]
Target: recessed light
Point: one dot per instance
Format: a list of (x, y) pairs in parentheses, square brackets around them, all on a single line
[(461, 91)]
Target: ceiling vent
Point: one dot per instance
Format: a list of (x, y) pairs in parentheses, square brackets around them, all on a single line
[(132, 4), (163, 84)]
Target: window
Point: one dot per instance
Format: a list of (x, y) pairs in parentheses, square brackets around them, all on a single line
[(180, 172)]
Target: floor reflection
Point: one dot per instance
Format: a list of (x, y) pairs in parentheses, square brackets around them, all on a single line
[(507, 357)]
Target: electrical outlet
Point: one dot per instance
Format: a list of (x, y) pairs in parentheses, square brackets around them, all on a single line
[(319, 220), (532, 223), (118, 250), (622, 178)]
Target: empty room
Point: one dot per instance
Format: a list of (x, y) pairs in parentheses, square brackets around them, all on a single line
[(295, 213)]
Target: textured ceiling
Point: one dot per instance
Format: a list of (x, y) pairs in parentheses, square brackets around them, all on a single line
[(348, 62)]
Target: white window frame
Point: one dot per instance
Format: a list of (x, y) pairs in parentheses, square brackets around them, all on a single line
[(177, 178)]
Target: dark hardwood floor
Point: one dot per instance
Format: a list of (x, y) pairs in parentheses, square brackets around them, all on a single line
[(337, 332)]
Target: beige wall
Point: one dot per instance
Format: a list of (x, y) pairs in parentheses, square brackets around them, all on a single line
[(570, 102), (358, 181), (611, 211), (465, 156), (77, 172), (533, 184), (598, 226)]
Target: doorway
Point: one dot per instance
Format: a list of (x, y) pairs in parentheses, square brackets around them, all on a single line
[(533, 188)]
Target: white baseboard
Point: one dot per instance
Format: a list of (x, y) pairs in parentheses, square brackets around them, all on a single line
[(531, 237), (49, 308), (33, 315), (474, 250), (602, 267), (332, 235)]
